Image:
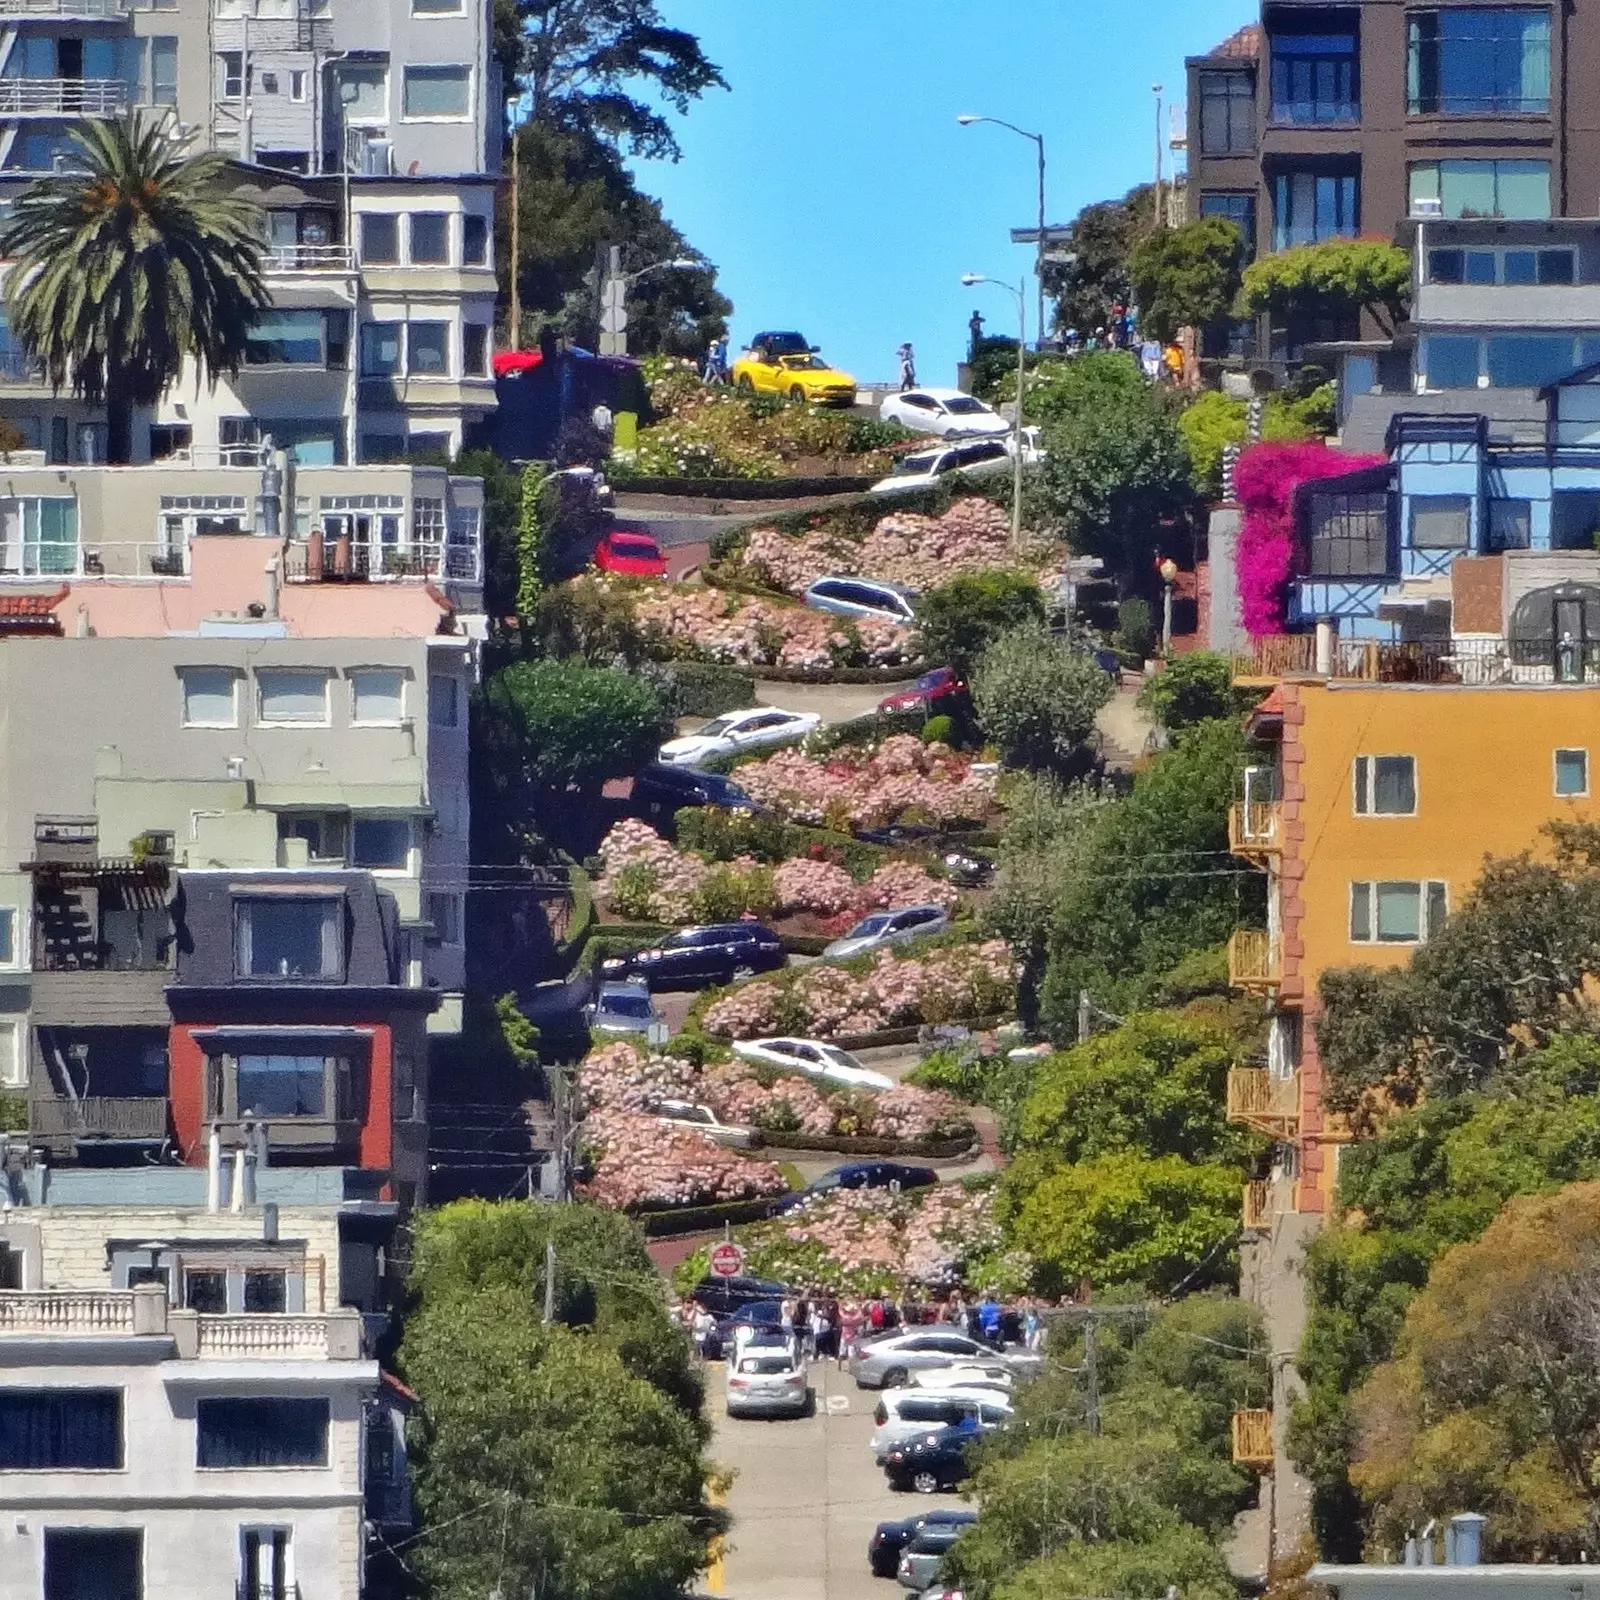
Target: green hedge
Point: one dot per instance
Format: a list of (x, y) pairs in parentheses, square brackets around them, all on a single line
[(927, 1149), (699, 1219), (743, 488), (869, 729), (709, 688), (722, 836), (13, 1113)]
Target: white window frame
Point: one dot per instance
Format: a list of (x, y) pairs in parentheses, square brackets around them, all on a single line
[(1364, 785), (378, 119), (449, 241), (355, 674), (235, 677), (1424, 888), (264, 1533), (264, 721), (1555, 772), (437, 66), (451, 8), (13, 1062)]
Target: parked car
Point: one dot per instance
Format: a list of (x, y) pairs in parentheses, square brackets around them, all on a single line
[(769, 346), (923, 1557), (662, 789), (857, 1175), (702, 1119), (924, 468), (623, 1008), (865, 599), (630, 555), (950, 413), (905, 1413), (987, 1377), (724, 1296), (814, 1058), (931, 1461), (774, 365), (888, 927), (888, 1362), (890, 1538), (739, 730), (692, 958), (763, 1316), (943, 683), (767, 1382)]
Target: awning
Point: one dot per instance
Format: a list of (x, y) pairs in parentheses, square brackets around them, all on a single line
[(406, 797)]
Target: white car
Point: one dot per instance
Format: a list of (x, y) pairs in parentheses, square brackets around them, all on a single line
[(992, 1377), (924, 468), (815, 1059), (739, 730), (950, 413), (766, 1382), (905, 1413), (702, 1119)]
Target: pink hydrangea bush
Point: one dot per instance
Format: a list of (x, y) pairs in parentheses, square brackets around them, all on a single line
[(641, 1163), (869, 786), (647, 879), (1265, 480), (941, 985)]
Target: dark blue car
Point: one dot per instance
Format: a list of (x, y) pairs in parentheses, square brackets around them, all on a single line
[(692, 958), (858, 1175)]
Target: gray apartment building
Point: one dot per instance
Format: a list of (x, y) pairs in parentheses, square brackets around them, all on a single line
[(369, 131), (1321, 120)]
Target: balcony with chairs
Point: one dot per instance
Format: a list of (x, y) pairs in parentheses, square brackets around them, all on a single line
[(1255, 829), (1252, 1438)]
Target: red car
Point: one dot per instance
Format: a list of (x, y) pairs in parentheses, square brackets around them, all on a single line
[(632, 555), (930, 688)]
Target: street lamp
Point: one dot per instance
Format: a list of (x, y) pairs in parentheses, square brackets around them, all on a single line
[(1168, 569), (968, 119), (969, 280), (614, 295)]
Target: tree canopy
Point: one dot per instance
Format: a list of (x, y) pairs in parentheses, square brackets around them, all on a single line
[(1187, 276), (1036, 698), (1192, 689), (1097, 278), (133, 259), (960, 619), (1332, 280)]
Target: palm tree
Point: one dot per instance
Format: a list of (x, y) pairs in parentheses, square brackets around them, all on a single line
[(133, 259)]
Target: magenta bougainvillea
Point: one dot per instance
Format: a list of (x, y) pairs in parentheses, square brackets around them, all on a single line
[(1265, 481)]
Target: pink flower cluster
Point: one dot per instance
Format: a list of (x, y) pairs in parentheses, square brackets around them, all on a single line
[(941, 986), (646, 878), (863, 787), (643, 1164), (713, 625), (904, 547)]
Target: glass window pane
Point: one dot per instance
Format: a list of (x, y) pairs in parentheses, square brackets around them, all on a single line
[(1447, 266), (380, 349), (428, 349), (380, 237), (436, 91), (1572, 772), (1467, 188), (430, 238), (281, 1086), (381, 842), (1450, 360), (235, 1432), (1557, 266), (287, 938), (1399, 911), (364, 92), (205, 1291), (210, 697), (1394, 785), (1441, 522), (1523, 188), (378, 696), (1480, 266), (1510, 524), (1529, 361), (286, 339), (1360, 912), (474, 241), (292, 696)]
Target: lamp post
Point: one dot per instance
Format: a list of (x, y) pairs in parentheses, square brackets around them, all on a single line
[(968, 281), (1169, 576), (614, 297), (1160, 216), (968, 119)]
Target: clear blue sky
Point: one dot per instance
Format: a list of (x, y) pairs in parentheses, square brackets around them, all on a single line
[(836, 193)]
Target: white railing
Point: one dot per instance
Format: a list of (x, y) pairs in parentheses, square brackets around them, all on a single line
[(52, 97), (310, 258), (269, 1334), (64, 8), (34, 562), (66, 1311)]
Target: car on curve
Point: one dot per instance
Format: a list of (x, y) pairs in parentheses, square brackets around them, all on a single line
[(630, 555), (883, 928), (864, 599), (895, 1175), (814, 1058), (766, 1381), (693, 958), (888, 1362), (949, 413), (738, 731)]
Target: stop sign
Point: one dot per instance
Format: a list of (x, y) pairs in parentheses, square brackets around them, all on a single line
[(727, 1260)]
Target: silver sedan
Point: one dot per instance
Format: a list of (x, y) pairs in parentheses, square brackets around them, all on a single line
[(888, 1363), (766, 1382)]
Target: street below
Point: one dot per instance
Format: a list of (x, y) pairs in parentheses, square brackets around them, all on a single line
[(805, 1498)]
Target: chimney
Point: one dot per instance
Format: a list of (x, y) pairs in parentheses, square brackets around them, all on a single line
[(272, 587), (1325, 639), (214, 1169), (237, 1200), (1464, 1540)]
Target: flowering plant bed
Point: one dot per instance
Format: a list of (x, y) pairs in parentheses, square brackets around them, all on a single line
[(900, 780), (873, 1241), (943, 984)]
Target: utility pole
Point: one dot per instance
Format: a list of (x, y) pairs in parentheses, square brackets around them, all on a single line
[(1091, 1371), (1085, 1016), (516, 235), (549, 1282), (1160, 216)]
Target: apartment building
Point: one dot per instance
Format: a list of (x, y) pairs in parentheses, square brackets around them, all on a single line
[(1323, 120), (370, 133), (188, 1400)]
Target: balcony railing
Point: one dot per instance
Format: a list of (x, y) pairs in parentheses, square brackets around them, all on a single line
[(310, 258), (269, 1334), (140, 1118), (66, 1311), (62, 97), (344, 562), (1253, 961), (64, 10), (1252, 1438), (1261, 1101), (1257, 1205), (1476, 662), (1255, 828)]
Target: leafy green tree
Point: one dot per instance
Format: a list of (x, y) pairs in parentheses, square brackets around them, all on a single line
[(502, 491), (602, 68), (1333, 281), (960, 619), (1036, 698), (1193, 689), (1087, 288), (1059, 390), (1155, 882), (1187, 276), (562, 1458), (548, 728), (1115, 475), (134, 259), (1493, 1397)]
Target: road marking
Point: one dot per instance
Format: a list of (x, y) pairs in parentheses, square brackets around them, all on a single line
[(716, 1571), (838, 1403)]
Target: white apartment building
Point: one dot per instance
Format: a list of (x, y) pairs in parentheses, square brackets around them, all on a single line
[(188, 1406), (370, 132)]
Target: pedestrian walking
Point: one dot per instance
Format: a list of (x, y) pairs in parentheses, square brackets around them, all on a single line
[(702, 1324), (850, 1321), (819, 1329), (908, 366), (1032, 1325)]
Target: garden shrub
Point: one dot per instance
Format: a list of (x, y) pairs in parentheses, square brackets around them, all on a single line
[(1136, 629), (938, 730), (708, 688)]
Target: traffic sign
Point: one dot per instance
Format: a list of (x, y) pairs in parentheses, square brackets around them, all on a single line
[(727, 1260)]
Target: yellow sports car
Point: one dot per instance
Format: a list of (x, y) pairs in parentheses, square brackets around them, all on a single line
[(800, 374)]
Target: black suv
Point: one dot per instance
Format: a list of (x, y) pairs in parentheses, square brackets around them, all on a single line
[(661, 789), (722, 1297), (774, 346), (694, 957)]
